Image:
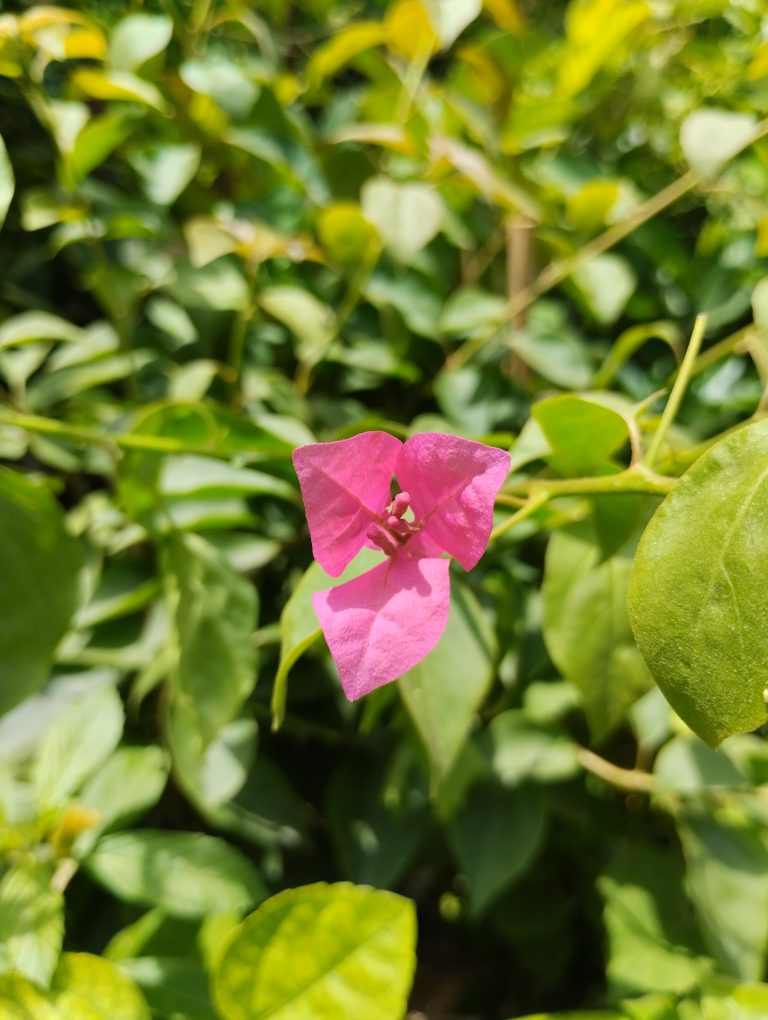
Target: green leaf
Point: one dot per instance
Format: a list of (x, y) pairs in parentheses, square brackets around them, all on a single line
[(308, 319), (173, 986), (406, 216), (39, 564), (21, 1000), (551, 346), (299, 628), (210, 771), (496, 835), (697, 604), (445, 690), (127, 784), (686, 765), (346, 44), (596, 30), (31, 327), (375, 833), (7, 182), (709, 137), (654, 945), (219, 286), (519, 751), (80, 739), (31, 921), (97, 140), (471, 312), (138, 38), (187, 874), (586, 627), (330, 952), (224, 82), (727, 876), (583, 434), (267, 810), (192, 475), (90, 987), (606, 283), (214, 611), (120, 86), (167, 170)]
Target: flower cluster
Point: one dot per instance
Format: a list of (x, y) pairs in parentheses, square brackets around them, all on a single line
[(382, 623)]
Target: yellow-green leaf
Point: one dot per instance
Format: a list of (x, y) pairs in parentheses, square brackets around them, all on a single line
[(329, 952)]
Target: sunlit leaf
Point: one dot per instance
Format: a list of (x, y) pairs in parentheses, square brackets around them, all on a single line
[(274, 965)]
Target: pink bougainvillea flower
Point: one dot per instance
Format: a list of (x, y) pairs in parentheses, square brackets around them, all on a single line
[(382, 623)]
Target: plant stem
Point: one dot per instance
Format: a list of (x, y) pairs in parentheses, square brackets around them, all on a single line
[(89, 435), (678, 390), (631, 780), (635, 479), (527, 510)]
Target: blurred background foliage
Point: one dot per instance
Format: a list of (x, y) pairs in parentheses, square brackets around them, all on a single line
[(230, 229)]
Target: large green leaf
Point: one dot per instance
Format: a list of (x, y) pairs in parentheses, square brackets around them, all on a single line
[(697, 598), (443, 692), (39, 563), (325, 952), (185, 873), (586, 627)]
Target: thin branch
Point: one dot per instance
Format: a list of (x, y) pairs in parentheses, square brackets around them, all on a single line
[(678, 390), (630, 780)]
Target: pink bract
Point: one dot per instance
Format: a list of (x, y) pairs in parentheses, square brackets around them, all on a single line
[(381, 624)]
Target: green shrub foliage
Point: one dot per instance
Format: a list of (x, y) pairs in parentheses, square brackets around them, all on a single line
[(230, 229)]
